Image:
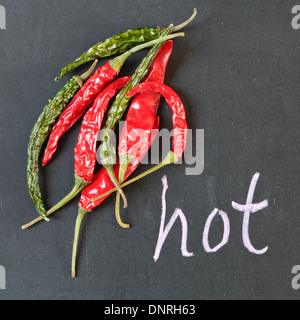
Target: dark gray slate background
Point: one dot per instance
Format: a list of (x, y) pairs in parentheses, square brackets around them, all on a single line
[(237, 72)]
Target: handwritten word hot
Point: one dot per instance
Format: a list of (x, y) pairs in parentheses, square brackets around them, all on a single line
[(247, 209)]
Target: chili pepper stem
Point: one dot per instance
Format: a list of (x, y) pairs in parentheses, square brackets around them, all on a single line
[(181, 26), (79, 185), (32, 223), (81, 79), (112, 176), (124, 162), (170, 158), (81, 214), (118, 62), (118, 216)]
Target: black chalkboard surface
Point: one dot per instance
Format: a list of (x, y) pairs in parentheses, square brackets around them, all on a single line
[(237, 73)]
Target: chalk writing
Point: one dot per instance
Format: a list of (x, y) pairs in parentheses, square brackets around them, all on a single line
[(247, 209)]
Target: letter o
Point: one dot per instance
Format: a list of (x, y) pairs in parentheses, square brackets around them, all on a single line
[(226, 233)]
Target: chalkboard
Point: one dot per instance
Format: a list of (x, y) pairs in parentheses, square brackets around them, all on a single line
[(237, 231)]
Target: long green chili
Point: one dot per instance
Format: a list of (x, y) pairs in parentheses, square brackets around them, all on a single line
[(41, 131), (117, 44)]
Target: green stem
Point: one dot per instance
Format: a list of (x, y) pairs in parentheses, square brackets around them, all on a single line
[(171, 158), (124, 162), (110, 170), (118, 216), (81, 214), (181, 26), (118, 62), (81, 79), (79, 185)]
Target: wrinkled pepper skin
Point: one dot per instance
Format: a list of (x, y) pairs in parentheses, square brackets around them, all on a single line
[(38, 136), (102, 182), (143, 109), (75, 110), (85, 151), (118, 43), (178, 110)]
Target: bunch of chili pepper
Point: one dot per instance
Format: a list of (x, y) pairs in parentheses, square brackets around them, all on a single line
[(141, 92)]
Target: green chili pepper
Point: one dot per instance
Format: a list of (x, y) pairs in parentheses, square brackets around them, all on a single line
[(41, 131), (118, 43), (118, 108)]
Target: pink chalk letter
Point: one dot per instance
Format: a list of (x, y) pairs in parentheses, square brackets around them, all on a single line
[(249, 208), (226, 233), (164, 231)]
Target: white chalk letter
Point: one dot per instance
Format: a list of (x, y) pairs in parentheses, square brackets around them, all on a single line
[(164, 231), (248, 209), (226, 233)]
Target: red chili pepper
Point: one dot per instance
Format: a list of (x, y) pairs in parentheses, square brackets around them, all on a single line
[(140, 119), (85, 151), (179, 116), (143, 109), (83, 99)]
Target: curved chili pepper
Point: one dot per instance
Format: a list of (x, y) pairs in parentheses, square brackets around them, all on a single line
[(140, 118), (101, 184), (177, 107), (87, 94), (41, 131), (118, 43), (85, 150)]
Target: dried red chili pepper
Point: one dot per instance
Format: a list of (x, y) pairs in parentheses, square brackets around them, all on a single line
[(179, 115), (140, 119), (87, 94)]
